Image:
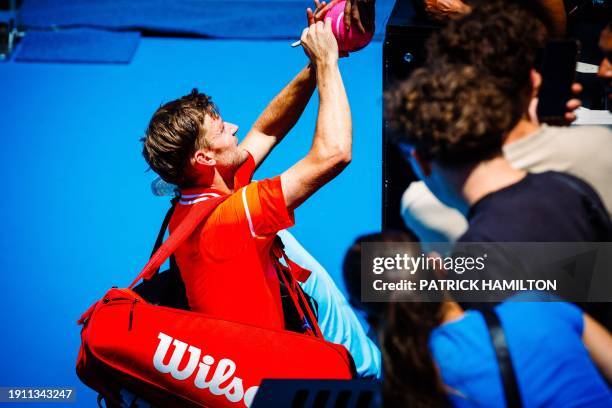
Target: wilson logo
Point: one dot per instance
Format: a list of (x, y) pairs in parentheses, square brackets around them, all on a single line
[(202, 366)]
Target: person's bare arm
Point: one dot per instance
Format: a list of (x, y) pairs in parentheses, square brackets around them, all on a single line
[(443, 10), (553, 14), (330, 152), (281, 114), (598, 341)]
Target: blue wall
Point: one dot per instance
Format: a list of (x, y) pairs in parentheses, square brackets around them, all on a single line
[(79, 215)]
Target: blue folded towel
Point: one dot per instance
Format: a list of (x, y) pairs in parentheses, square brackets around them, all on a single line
[(240, 19), (78, 45)]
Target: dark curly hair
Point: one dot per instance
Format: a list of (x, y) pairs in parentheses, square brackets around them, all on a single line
[(501, 39), (175, 132), (452, 114)]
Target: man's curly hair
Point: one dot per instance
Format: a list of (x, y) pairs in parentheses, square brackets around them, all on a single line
[(452, 115), (175, 132), (500, 39)]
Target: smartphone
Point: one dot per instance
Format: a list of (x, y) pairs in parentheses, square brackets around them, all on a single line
[(558, 74)]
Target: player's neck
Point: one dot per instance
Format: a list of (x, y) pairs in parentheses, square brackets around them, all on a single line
[(221, 183)]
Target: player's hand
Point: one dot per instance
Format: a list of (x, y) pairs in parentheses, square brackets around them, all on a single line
[(321, 9), (319, 43)]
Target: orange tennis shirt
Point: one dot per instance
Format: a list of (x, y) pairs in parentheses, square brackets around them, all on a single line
[(226, 264)]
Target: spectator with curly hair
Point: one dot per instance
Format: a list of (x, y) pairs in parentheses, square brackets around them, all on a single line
[(454, 122), (502, 42)]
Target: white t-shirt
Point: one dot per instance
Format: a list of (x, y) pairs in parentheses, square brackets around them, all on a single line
[(583, 151)]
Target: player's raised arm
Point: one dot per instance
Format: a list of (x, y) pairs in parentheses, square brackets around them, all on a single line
[(330, 152), (280, 115)]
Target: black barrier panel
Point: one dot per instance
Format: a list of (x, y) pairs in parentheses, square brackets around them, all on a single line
[(318, 394), (403, 52), (4, 39), (10, 4)]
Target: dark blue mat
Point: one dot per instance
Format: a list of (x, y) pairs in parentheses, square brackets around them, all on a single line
[(78, 45), (240, 19)]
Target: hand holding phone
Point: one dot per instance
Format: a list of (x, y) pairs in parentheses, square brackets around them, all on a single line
[(558, 75)]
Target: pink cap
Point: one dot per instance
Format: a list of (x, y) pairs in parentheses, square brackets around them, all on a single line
[(348, 40)]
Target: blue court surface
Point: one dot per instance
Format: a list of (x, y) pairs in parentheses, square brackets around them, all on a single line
[(78, 212)]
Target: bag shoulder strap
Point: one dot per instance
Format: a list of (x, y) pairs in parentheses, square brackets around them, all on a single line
[(506, 369), (197, 214), (295, 291), (162, 230), (164, 226)]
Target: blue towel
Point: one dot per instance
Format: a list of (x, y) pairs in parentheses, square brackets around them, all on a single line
[(78, 45), (239, 19)]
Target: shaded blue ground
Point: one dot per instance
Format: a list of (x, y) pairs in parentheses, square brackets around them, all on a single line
[(79, 215)]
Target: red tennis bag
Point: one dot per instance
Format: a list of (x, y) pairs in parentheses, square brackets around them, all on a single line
[(172, 357)]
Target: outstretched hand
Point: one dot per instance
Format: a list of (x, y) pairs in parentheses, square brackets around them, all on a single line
[(319, 43), (359, 13), (319, 13), (321, 8)]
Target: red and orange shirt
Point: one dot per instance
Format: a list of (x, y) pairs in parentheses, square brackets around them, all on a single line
[(226, 263)]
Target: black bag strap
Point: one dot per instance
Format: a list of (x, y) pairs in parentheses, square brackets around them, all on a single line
[(309, 319), (162, 231), (506, 369)]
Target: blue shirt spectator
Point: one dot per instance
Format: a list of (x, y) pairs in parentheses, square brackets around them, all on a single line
[(552, 365)]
